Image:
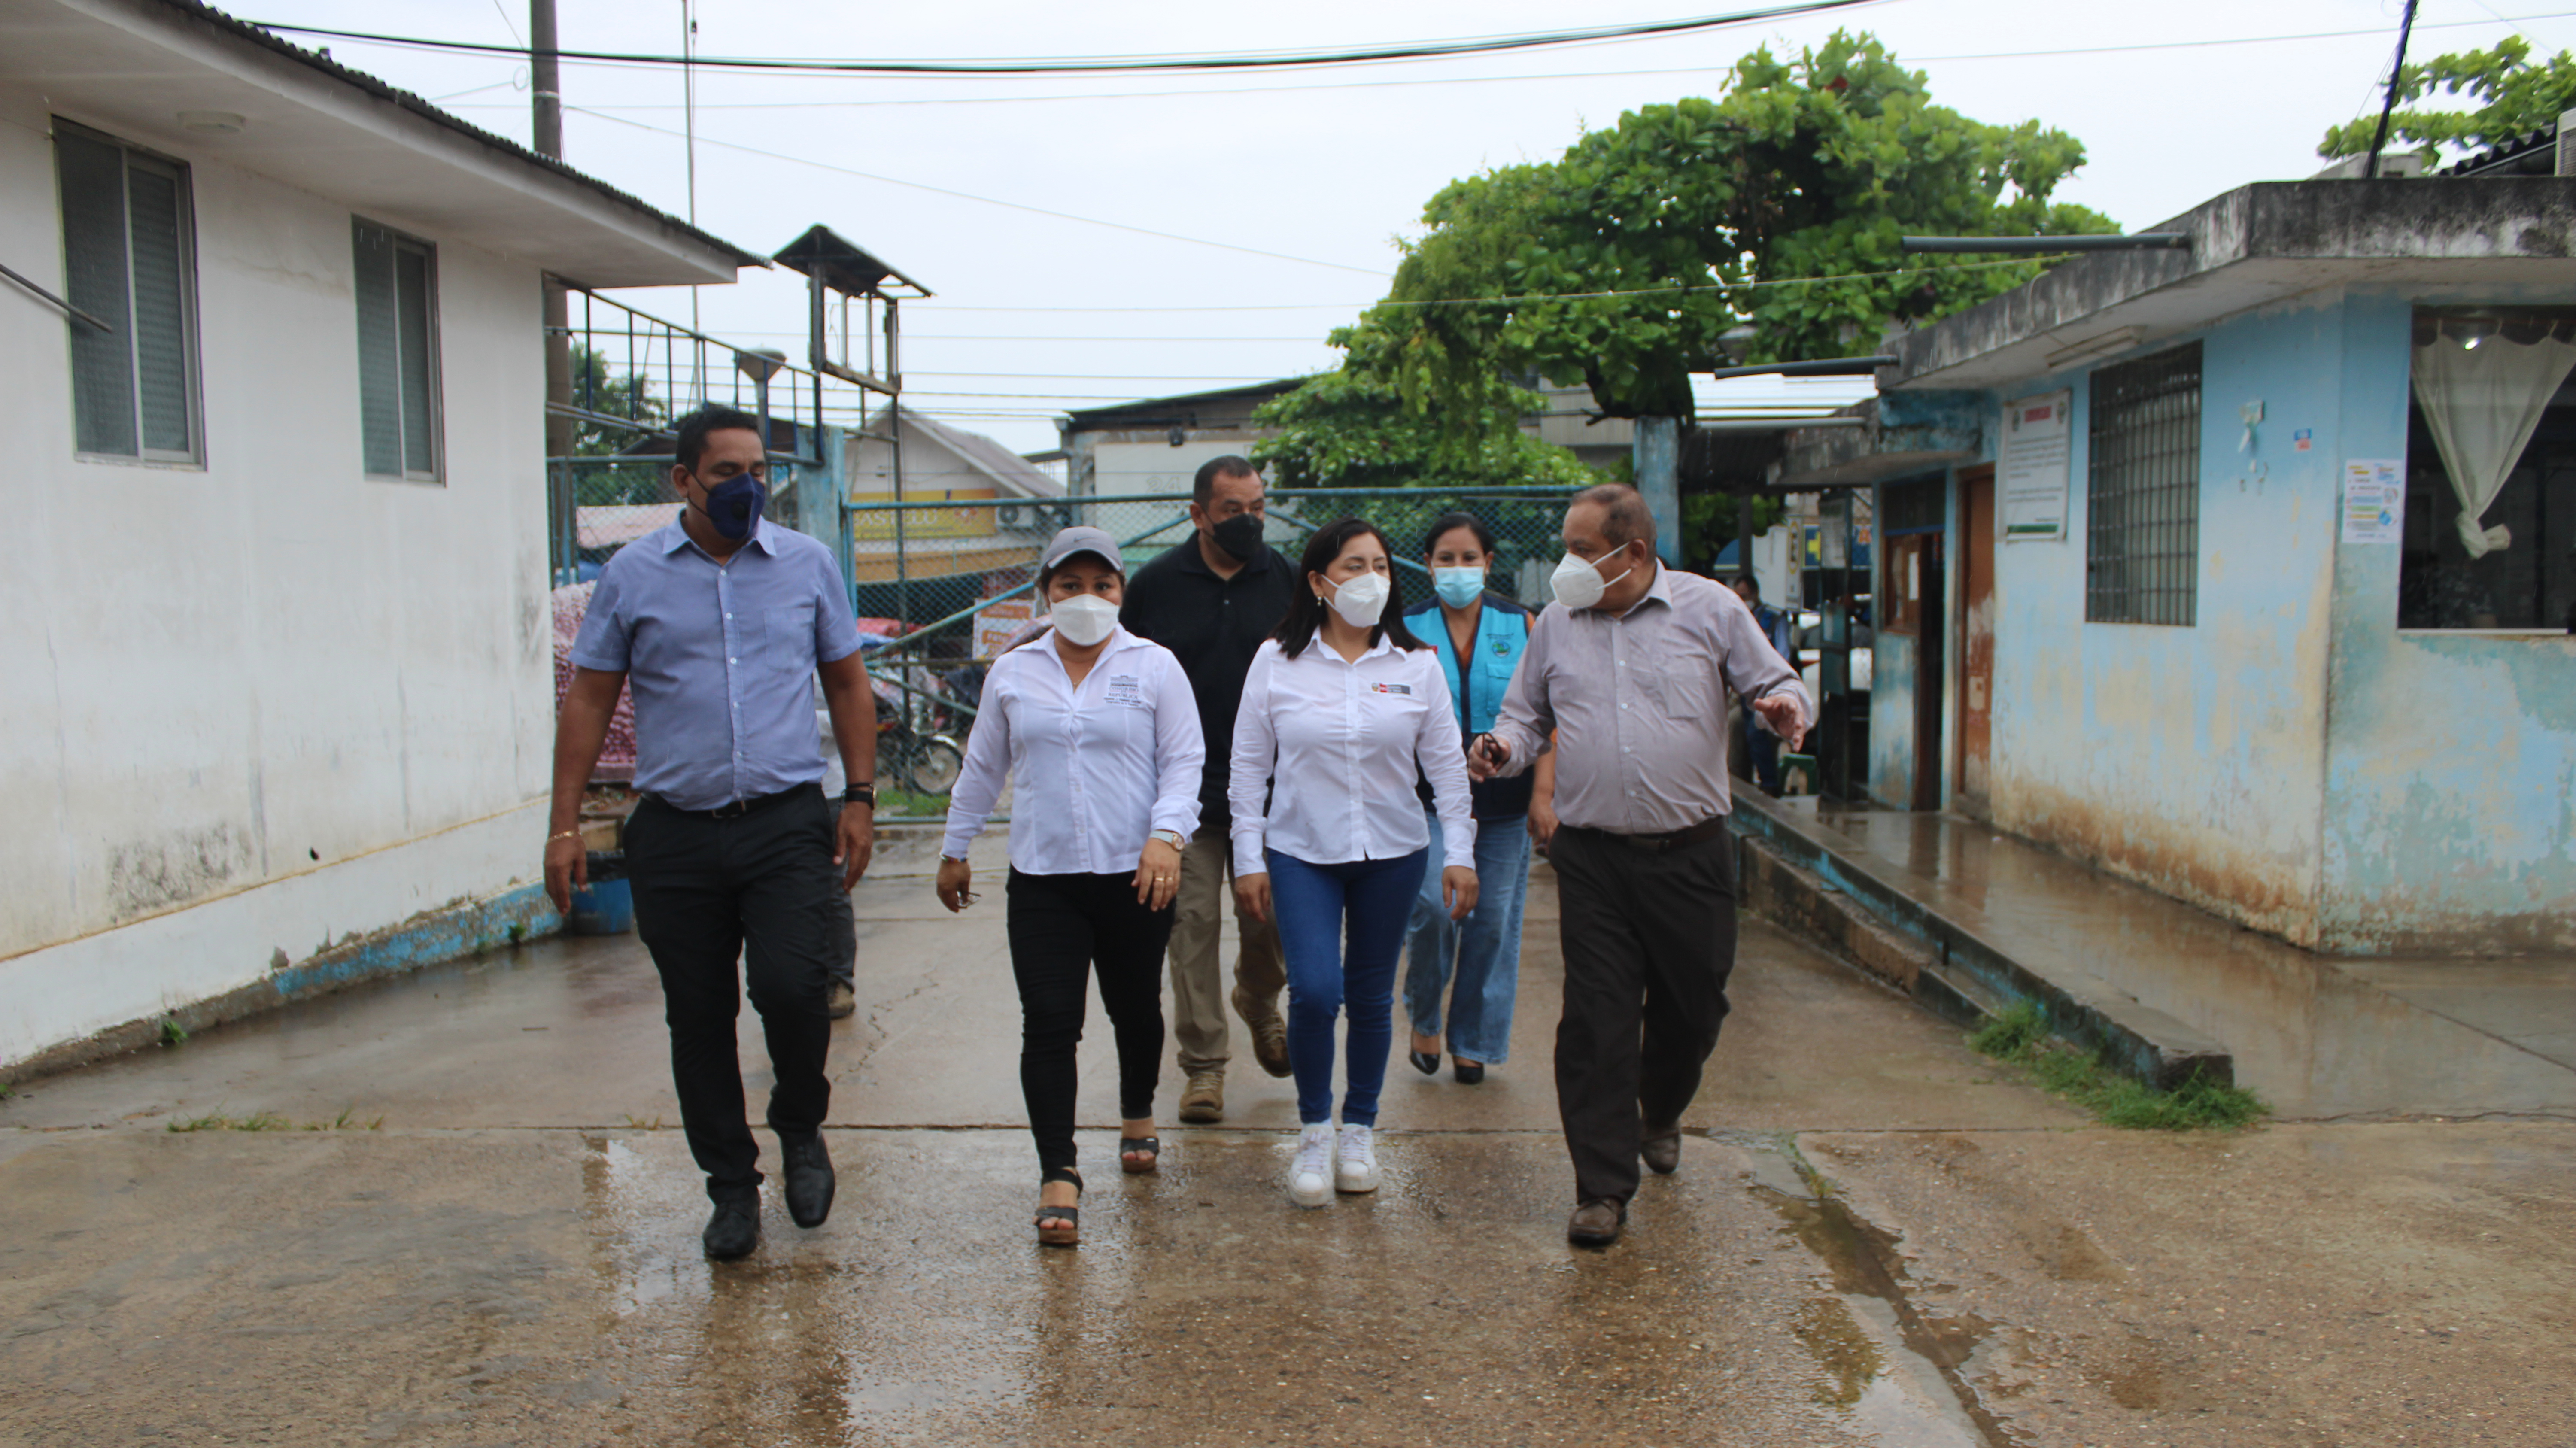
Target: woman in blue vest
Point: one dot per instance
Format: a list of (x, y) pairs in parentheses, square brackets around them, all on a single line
[(1474, 963)]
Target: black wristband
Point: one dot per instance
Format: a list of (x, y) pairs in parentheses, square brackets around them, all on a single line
[(865, 794)]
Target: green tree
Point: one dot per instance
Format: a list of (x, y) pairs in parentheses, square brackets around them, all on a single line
[(1352, 429), (2514, 98), (1625, 261), (603, 394), (597, 391)]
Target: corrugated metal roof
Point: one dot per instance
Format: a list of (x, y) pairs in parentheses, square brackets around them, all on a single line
[(244, 30), (2505, 156)]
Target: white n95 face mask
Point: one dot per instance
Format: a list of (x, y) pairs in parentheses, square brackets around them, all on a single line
[(1580, 585), (1084, 619), (1361, 601)]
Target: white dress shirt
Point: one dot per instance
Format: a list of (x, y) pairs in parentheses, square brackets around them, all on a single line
[(1094, 768), (1342, 740)]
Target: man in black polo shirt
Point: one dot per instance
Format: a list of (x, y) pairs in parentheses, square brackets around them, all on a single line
[(1211, 601)]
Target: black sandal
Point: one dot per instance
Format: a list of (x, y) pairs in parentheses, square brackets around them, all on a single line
[(1151, 1146), (1070, 1234)]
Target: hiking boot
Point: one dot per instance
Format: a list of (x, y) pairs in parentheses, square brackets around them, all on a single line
[(1203, 1099), (1269, 1030)]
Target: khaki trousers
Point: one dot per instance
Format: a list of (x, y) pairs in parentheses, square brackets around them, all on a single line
[(1198, 985)]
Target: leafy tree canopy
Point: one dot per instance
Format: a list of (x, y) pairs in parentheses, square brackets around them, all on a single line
[(2514, 98), (1351, 429), (597, 390), (1626, 260)]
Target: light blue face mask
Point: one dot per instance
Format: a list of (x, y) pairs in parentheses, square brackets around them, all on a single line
[(1458, 587)]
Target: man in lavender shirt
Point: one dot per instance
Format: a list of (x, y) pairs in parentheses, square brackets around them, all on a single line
[(1629, 671), (720, 623)]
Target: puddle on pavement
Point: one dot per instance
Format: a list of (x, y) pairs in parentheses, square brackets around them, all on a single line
[(1895, 1370)]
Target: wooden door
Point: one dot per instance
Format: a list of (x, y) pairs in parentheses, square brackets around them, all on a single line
[(1974, 630)]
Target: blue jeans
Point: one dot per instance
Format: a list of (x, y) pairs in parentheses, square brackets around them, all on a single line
[(1486, 946), (1341, 928)]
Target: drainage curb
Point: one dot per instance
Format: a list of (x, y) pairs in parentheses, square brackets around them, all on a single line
[(1853, 908)]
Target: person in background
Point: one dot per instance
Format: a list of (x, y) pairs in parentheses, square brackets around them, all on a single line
[(1478, 637), (1761, 743), (1628, 670), (1342, 710), (1211, 600), (1098, 735), (719, 620)]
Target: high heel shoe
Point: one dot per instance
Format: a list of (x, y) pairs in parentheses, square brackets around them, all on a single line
[(1069, 1232)]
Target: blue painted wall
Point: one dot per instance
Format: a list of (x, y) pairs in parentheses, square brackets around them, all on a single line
[(2450, 793), (2191, 759), (1893, 666)]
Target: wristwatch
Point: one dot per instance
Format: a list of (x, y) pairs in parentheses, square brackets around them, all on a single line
[(1171, 838), (865, 794)]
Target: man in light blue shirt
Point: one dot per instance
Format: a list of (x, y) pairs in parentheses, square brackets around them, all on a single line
[(720, 623)]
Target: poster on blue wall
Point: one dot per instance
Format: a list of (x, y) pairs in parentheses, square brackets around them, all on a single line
[(2031, 474)]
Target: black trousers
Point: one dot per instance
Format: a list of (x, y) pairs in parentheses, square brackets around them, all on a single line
[(1649, 940), (757, 887), (1061, 927)]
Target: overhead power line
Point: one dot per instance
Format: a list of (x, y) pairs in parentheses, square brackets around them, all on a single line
[(2218, 42), (1121, 65), (985, 200)]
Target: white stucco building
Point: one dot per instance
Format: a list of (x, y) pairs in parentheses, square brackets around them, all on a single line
[(279, 705)]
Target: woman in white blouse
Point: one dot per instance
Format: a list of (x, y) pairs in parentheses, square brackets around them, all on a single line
[(1098, 734), (1341, 708)]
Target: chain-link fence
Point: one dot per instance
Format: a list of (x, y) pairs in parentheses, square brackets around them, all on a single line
[(951, 584), (942, 585)]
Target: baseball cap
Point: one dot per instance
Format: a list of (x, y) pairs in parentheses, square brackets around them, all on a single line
[(1071, 541)]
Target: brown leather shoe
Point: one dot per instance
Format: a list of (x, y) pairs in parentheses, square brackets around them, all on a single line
[(843, 1001), (1203, 1099), (1269, 1030), (1596, 1223), (1661, 1149)]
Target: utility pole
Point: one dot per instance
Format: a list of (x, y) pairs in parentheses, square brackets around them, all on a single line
[(2396, 76), (545, 97)]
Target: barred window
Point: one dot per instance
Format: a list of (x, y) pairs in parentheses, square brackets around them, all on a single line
[(129, 260), (2142, 492), (397, 354)]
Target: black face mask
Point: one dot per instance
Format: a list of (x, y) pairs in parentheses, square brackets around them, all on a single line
[(1239, 536)]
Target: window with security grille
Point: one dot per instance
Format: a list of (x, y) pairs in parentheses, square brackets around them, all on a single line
[(129, 261), (2142, 492), (397, 289)]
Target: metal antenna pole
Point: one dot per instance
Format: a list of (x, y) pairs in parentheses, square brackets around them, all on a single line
[(689, 111), (2396, 76), (894, 444)]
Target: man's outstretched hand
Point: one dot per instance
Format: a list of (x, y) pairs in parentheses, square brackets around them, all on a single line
[(1786, 716)]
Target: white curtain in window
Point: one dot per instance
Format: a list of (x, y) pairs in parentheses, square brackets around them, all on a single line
[(2483, 385)]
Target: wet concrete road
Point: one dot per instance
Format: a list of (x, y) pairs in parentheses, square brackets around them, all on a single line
[(1875, 1237)]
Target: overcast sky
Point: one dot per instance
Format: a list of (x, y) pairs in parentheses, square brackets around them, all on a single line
[(1034, 313)]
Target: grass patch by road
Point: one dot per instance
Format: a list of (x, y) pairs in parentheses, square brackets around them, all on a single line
[(347, 1120), (895, 803), (2020, 1036)]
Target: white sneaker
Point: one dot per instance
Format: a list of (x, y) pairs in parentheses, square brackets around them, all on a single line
[(1355, 1160), (1310, 1181)]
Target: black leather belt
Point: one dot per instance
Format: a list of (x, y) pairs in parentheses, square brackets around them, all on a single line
[(740, 807), (1666, 843)]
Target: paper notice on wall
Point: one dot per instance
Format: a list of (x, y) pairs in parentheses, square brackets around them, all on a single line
[(2031, 474), (2374, 500)]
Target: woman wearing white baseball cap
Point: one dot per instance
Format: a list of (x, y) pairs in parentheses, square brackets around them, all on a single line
[(1098, 734)]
